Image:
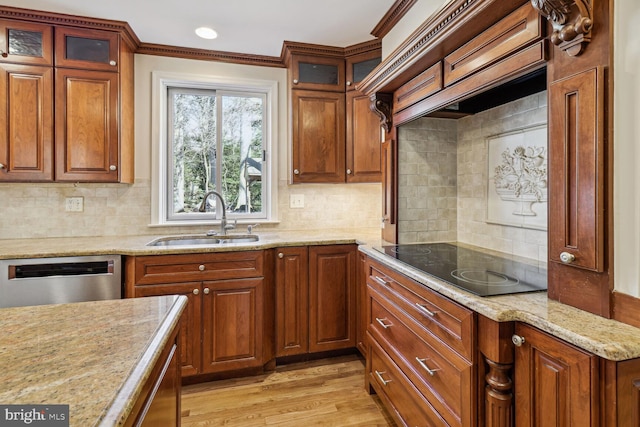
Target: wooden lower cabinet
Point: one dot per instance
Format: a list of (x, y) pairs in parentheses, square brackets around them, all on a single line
[(423, 343), (224, 323), (159, 400), (292, 301), (556, 384), (315, 299), (332, 297)]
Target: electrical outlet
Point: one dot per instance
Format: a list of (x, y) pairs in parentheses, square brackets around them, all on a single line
[(74, 204), (296, 201)]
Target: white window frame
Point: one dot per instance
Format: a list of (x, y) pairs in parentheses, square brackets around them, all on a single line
[(160, 162)]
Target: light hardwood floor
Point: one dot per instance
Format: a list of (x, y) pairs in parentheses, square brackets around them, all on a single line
[(327, 392)]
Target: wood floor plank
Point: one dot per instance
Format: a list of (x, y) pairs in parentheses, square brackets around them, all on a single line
[(328, 392)]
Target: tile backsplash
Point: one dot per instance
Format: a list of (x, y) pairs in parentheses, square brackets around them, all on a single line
[(443, 179), (38, 210)]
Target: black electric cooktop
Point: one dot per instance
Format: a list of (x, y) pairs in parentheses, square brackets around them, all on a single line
[(474, 271)]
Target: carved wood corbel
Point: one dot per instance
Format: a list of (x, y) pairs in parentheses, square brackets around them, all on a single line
[(572, 21), (381, 105)]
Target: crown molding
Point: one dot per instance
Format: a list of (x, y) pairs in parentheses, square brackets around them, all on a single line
[(128, 35), (209, 55), (392, 17)]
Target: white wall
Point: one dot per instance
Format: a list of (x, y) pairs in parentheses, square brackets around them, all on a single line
[(417, 15), (627, 147)]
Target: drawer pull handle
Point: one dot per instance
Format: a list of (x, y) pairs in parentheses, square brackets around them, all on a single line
[(426, 310), (423, 363), (382, 380), (380, 280), (381, 322)]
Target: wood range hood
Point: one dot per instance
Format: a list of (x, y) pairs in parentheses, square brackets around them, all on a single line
[(513, 55), (473, 47)]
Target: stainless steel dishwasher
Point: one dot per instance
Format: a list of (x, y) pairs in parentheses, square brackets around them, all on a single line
[(39, 281)]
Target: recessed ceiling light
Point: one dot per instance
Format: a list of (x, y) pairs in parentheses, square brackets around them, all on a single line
[(206, 33)]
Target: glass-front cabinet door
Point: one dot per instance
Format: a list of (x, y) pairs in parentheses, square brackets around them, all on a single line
[(318, 73), (26, 42), (87, 49), (359, 66)]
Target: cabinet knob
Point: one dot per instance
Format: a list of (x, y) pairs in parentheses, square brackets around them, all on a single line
[(296, 172), (280, 255), (206, 291), (348, 171), (113, 167), (201, 267), (295, 81), (3, 53), (517, 340), (112, 63), (348, 83), (196, 291), (567, 258), (2, 166)]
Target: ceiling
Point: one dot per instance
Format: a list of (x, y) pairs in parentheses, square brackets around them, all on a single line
[(244, 26)]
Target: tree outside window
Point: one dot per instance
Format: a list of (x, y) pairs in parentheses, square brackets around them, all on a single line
[(216, 142)]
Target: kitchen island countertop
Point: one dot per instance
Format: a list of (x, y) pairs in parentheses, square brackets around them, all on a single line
[(93, 356)]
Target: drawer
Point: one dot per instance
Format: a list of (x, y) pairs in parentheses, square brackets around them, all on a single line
[(443, 377), (421, 86), (516, 31), (397, 391), (195, 267), (449, 321)]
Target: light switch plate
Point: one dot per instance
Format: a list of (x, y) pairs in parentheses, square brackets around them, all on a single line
[(296, 201), (74, 204)]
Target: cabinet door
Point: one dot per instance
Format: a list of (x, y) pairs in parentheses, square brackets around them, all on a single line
[(332, 297), (318, 136), (26, 123), (389, 188), (292, 301), (26, 42), (364, 151), (86, 121), (317, 73), (555, 383), (87, 49), (232, 320), (359, 66), (190, 336), (361, 304)]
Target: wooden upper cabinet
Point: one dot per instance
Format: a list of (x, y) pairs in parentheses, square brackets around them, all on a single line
[(26, 123), (318, 136), (26, 42), (576, 170), (364, 152), (86, 126), (87, 49), (359, 66), (317, 73), (555, 383)]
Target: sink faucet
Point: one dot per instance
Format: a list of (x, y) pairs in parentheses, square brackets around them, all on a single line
[(223, 222)]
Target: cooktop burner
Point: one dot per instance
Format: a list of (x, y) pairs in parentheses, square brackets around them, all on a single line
[(474, 271)]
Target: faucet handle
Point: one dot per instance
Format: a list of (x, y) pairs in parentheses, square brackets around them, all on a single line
[(251, 227)]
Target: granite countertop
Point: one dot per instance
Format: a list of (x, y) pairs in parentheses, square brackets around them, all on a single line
[(137, 245), (93, 356), (606, 338)]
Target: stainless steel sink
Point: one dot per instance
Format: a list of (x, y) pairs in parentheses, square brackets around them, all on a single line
[(202, 240)]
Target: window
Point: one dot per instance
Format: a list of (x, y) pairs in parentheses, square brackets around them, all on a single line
[(217, 138)]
